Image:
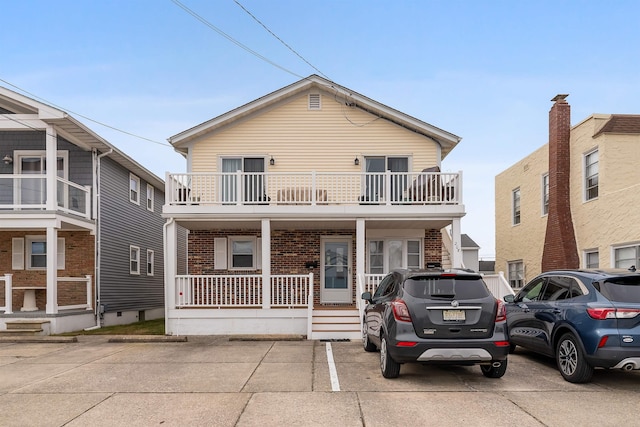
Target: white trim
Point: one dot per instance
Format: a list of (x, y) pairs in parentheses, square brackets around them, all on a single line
[(136, 179), (513, 207), (542, 194), (230, 241), (137, 260), (340, 296), (150, 197), (150, 262), (584, 174)]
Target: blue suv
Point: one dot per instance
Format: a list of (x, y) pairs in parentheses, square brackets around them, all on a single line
[(585, 319)]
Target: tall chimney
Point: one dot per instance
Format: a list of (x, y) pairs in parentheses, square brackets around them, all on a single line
[(560, 248)]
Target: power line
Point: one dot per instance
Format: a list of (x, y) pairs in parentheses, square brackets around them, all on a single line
[(280, 40), (232, 40), (83, 116)]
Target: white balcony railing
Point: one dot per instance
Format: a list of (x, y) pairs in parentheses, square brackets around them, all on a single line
[(29, 192), (314, 188), (67, 286), (241, 291)]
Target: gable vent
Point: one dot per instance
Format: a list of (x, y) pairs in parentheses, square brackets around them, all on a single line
[(314, 101)]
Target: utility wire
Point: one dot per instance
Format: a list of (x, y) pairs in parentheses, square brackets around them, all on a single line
[(280, 40), (231, 39), (83, 116)]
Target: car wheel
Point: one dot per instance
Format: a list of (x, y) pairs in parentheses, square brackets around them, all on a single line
[(368, 345), (571, 361), (389, 367), (491, 371)]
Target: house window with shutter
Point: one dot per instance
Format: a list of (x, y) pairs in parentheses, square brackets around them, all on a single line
[(33, 250), (314, 101)]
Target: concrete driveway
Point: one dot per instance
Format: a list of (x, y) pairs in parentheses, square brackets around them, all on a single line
[(215, 381)]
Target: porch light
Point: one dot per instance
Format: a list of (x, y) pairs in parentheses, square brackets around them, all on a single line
[(356, 161), (7, 159), (272, 161)]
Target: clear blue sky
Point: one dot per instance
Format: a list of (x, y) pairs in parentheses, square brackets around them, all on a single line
[(483, 70)]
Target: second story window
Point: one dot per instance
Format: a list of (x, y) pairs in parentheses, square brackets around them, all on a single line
[(375, 167), (134, 260), (150, 197), (134, 189), (545, 194), (515, 205), (591, 175), (252, 187)]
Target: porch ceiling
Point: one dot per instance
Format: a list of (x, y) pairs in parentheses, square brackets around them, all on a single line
[(316, 224)]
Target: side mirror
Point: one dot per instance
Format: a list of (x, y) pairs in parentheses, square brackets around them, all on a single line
[(366, 296), (509, 298)]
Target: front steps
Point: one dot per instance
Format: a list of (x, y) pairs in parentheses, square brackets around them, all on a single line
[(336, 324), (27, 328)]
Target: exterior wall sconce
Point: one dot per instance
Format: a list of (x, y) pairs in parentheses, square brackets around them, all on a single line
[(272, 161), (356, 161), (7, 159)]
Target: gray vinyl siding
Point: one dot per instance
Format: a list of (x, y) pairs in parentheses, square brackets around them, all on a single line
[(123, 223), (79, 161)]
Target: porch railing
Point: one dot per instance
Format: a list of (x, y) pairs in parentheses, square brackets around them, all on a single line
[(63, 282), (313, 188), (29, 192), (498, 285), (235, 291)]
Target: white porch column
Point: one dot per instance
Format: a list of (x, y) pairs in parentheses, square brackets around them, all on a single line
[(52, 268), (361, 248), (52, 169), (266, 263), (170, 269), (456, 244)]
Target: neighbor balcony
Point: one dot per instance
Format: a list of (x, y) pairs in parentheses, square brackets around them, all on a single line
[(28, 192), (314, 188)]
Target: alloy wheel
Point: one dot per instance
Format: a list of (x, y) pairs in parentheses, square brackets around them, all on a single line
[(568, 357)]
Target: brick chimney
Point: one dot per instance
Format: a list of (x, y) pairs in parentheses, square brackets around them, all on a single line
[(560, 248)]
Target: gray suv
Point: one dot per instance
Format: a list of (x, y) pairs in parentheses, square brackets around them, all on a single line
[(437, 317)]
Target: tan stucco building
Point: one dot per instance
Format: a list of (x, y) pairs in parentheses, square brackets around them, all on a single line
[(598, 202)]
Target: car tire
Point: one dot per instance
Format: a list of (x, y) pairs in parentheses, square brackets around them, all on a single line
[(389, 367), (368, 345), (512, 348), (571, 361), (491, 371)]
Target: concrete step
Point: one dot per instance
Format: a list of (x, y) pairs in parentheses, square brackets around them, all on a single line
[(27, 327), (335, 324)]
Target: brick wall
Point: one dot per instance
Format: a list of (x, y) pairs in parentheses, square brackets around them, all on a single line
[(79, 261), (560, 248)]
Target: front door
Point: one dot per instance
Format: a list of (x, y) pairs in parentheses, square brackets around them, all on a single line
[(336, 271)]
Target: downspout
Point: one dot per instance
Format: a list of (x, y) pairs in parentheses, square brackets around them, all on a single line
[(98, 241)]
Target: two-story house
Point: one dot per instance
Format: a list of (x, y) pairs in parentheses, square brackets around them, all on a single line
[(571, 203), (80, 225), (297, 202)]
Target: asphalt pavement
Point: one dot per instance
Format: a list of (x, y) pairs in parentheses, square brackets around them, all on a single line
[(220, 381)]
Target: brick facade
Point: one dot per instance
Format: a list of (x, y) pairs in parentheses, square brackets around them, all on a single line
[(79, 262)]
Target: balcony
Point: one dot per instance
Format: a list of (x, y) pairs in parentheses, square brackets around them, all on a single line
[(314, 188), (28, 192)]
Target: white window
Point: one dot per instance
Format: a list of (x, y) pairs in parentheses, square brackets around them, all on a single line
[(592, 259), (591, 175), (627, 257), (150, 262), (33, 191), (36, 252), (150, 197), (388, 254), (516, 274), (134, 260), (242, 253), (375, 180), (252, 186), (515, 206), (545, 194), (134, 189)]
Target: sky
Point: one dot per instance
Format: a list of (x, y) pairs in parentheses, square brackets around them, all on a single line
[(140, 71)]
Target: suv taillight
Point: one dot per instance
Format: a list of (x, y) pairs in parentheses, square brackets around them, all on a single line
[(400, 310), (501, 313), (612, 313)]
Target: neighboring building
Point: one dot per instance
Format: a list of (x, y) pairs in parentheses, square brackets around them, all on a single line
[(470, 250), (295, 204), (570, 203), (80, 243)]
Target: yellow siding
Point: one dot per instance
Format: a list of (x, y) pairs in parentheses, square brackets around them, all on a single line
[(323, 140), (523, 241)]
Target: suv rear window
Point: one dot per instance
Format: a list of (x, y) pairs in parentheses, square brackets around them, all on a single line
[(459, 287), (622, 289)]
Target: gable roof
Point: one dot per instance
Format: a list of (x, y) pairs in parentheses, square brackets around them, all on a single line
[(467, 242), (621, 124), (445, 139), (13, 103)]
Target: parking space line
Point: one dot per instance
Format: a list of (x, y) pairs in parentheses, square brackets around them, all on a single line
[(333, 374)]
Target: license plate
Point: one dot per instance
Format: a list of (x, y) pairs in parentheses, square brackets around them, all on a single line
[(453, 315)]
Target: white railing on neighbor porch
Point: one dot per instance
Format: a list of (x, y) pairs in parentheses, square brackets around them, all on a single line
[(498, 285), (7, 280), (29, 192), (236, 291), (366, 283), (313, 188)]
